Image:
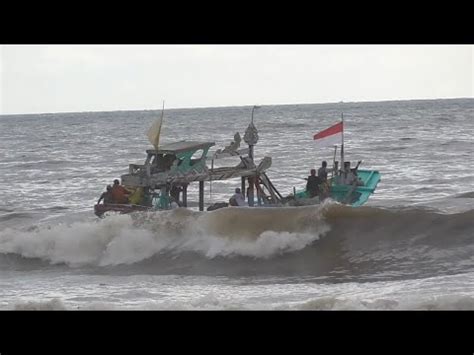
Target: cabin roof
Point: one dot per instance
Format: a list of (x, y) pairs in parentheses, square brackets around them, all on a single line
[(181, 146)]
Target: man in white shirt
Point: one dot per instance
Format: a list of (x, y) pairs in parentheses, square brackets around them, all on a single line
[(237, 199), (350, 178)]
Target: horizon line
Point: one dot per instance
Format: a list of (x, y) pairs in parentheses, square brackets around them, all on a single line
[(232, 106)]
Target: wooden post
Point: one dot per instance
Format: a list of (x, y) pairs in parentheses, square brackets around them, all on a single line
[(257, 186), (250, 192), (243, 186), (185, 195), (164, 197), (201, 195)]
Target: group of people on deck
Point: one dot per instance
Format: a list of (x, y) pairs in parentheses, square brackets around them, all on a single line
[(318, 185), (254, 186), (116, 194)]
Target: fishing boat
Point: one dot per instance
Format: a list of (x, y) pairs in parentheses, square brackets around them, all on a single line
[(162, 180), (354, 192)]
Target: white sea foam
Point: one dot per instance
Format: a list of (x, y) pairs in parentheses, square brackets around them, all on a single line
[(412, 302), (123, 239), (214, 301), (52, 305)]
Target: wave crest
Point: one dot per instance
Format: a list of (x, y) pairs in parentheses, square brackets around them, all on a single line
[(128, 239)]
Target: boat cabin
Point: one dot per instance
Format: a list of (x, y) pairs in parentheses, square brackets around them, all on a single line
[(174, 159)]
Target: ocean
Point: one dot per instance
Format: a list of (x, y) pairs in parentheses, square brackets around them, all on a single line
[(410, 247)]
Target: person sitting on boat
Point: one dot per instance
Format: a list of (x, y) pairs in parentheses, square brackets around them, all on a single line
[(106, 196), (174, 203), (237, 199), (312, 186), (119, 193)]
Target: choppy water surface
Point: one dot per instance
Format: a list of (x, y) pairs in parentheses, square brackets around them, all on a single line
[(410, 247)]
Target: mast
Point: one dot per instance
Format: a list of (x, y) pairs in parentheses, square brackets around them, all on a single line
[(251, 138), (252, 131), (342, 141)]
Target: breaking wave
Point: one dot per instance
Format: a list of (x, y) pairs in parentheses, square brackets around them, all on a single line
[(327, 240), (127, 239)]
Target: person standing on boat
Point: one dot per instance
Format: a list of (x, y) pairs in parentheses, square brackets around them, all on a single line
[(312, 186), (323, 176), (119, 193), (237, 199), (323, 171), (106, 196), (175, 191), (349, 175)]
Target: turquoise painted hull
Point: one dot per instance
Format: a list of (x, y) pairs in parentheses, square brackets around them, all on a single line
[(359, 196)]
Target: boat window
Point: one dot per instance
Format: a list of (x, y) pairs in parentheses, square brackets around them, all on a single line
[(197, 156), (168, 160), (163, 162)]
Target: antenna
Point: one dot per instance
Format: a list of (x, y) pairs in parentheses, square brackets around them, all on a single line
[(255, 107)]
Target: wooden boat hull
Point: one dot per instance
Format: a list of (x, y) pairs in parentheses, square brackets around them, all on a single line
[(100, 209)]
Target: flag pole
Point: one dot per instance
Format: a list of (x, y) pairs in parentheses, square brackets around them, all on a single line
[(334, 169), (161, 124), (342, 142)]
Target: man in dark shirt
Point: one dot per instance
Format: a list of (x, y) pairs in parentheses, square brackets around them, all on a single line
[(106, 196), (312, 186), (119, 193)]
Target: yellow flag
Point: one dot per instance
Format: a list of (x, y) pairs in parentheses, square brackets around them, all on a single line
[(155, 130)]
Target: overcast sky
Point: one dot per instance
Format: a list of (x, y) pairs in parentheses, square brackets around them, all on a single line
[(75, 78)]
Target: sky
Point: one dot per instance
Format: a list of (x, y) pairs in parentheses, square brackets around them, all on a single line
[(79, 78)]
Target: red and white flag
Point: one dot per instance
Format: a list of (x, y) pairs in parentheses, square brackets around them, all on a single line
[(330, 136)]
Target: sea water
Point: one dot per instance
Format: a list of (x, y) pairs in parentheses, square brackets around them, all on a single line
[(410, 247)]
